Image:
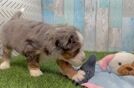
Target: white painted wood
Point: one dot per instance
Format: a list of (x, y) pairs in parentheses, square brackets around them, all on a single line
[(90, 25), (32, 8), (115, 25), (102, 29), (69, 12), (115, 39), (59, 7), (128, 6)]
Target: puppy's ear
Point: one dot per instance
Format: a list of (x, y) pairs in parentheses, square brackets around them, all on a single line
[(67, 43), (72, 42), (58, 44), (63, 44)]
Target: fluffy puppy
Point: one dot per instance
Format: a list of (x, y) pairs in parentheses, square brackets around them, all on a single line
[(32, 39)]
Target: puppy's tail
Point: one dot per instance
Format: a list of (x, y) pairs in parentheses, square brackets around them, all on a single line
[(18, 14)]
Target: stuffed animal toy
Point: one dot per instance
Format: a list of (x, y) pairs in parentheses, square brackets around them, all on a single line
[(121, 63)]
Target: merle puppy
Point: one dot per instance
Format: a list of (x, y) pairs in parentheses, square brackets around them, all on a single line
[(33, 39)]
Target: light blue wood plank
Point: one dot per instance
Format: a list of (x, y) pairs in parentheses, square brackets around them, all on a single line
[(128, 34), (102, 27), (69, 11), (59, 19), (48, 14), (90, 25), (115, 25), (116, 13), (103, 3), (115, 39), (128, 8), (79, 14), (59, 12)]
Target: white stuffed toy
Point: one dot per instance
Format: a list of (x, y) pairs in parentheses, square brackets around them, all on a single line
[(121, 63)]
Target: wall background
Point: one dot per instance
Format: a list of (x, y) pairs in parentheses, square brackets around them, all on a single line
[(9, 7), (107, 25)]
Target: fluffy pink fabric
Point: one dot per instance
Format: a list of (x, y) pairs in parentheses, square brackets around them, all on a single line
[(91, 85), (105, 61)]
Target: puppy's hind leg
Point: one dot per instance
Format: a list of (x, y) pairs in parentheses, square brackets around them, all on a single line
[(6, 58)]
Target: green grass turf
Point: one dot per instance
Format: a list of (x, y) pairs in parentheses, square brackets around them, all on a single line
[(18, 76)]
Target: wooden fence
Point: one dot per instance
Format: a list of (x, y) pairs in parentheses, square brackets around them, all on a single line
[(107, 25)]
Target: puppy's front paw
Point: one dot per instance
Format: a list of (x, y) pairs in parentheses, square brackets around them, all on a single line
[(35, 72), (79, 76), (5, 65)]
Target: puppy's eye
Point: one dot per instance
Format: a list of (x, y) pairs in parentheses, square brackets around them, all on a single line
[(119, 63)]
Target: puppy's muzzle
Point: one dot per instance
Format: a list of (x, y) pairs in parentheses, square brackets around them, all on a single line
[(78, 60)]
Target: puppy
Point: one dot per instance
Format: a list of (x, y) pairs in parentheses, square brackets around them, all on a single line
[(32, 39)]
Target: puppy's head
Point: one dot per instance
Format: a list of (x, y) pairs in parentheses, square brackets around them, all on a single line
[(70, 42)]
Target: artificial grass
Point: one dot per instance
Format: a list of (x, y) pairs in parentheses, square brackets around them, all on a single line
[(18, 76)]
